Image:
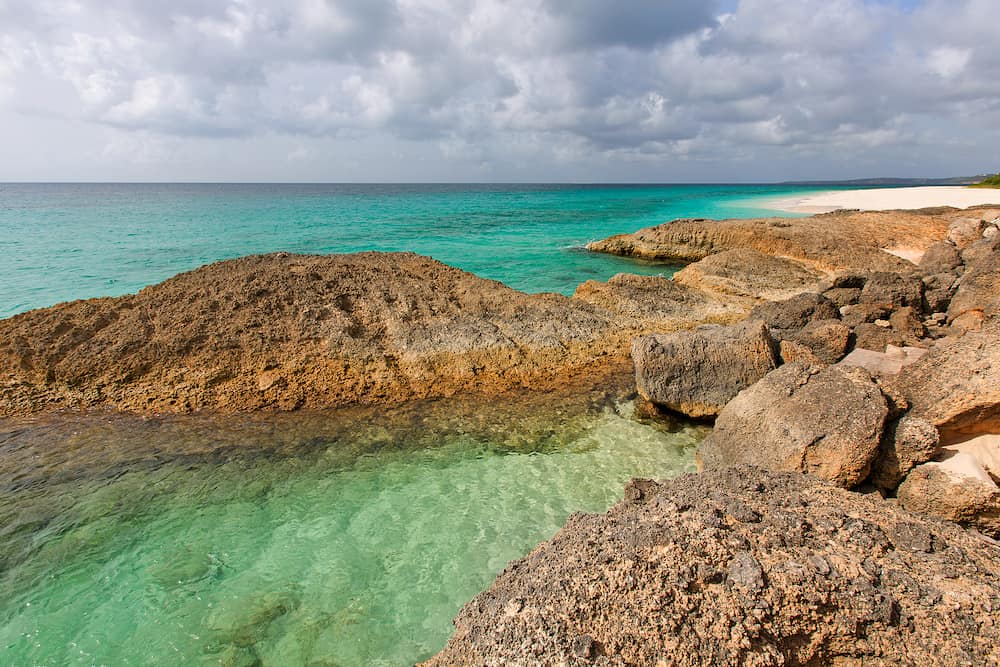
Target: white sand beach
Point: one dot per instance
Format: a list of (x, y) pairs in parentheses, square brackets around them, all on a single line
[(884, 199)]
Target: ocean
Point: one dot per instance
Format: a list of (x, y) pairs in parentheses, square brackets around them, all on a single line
[(351, 537), (62, 242)]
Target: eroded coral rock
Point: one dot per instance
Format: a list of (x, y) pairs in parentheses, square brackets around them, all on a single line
[(741, 567)]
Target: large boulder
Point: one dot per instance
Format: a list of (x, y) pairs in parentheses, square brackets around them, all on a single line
[(794, 313), (826, 339), (741, 567), (941, 257), (963, 232), (825, 422), (956, 385), (956, 488), (697, 372), (979, 287), (893, 290)]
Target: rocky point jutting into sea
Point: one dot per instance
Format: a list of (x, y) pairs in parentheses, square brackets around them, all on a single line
[(848, 508)]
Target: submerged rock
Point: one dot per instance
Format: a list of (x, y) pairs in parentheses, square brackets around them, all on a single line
[(825, 422), (741, 567), (697, 372)]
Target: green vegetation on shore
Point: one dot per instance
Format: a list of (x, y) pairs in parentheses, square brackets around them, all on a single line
[(991, 182)]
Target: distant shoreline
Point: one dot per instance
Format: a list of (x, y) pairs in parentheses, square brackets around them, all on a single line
[(884, 199)]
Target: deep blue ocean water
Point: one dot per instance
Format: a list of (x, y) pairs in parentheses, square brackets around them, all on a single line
[(70, 241)]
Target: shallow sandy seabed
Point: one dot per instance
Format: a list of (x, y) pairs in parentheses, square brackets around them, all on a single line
[(885, 199)]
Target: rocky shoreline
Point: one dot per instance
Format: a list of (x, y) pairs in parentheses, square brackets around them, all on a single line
[(857, 348)]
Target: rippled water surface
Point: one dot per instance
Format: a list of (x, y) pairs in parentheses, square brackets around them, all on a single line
[(331, 540), (72, 241)]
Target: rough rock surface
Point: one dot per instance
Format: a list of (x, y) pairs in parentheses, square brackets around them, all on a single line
[(741, 567), (796, 312), (825, 422), (941, 257), (907, 443), (956, 385), (827, 339), (288, 331), (832, 241), (956, 489), (748, 273), (979, 287), (697, 372), (893, 290), (654, 304)]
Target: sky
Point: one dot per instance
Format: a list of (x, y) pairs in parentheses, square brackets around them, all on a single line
[(497, 90)]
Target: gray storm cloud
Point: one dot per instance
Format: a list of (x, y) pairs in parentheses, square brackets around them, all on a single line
[(586, 90)]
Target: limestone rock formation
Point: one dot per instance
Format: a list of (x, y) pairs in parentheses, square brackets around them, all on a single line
[(979, 287), (288, 331), (697, 372), (825, 422), (834, 241), (655, 304), (741, 567), (826, 339), (749, 274), (941, 257)]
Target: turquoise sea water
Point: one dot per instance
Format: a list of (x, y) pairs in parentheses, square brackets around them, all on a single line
[(61, 242), (346, 538), (295, 540)]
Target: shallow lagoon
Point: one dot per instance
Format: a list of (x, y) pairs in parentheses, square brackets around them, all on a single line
[(351, 538)]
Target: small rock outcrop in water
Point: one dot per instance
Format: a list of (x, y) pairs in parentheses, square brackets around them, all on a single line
[(697, 372), (741, 567), (799, 418)]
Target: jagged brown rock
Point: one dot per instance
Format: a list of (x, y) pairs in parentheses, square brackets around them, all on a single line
[(697, 372), (978, 290), (825, 422), (288, 331), (827, 339), (794, 313), (741, 567)]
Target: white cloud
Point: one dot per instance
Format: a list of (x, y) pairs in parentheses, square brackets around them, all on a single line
[(516, 82)]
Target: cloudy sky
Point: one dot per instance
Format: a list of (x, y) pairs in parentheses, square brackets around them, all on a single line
[(497, 90)]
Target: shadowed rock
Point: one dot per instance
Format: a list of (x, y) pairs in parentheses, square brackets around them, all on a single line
[(825, 422), (741, 567), (697, 372), (956, 385), (908, 443)]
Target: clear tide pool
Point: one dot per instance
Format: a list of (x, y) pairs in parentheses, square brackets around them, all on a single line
[(64, 241), (291, 540)]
